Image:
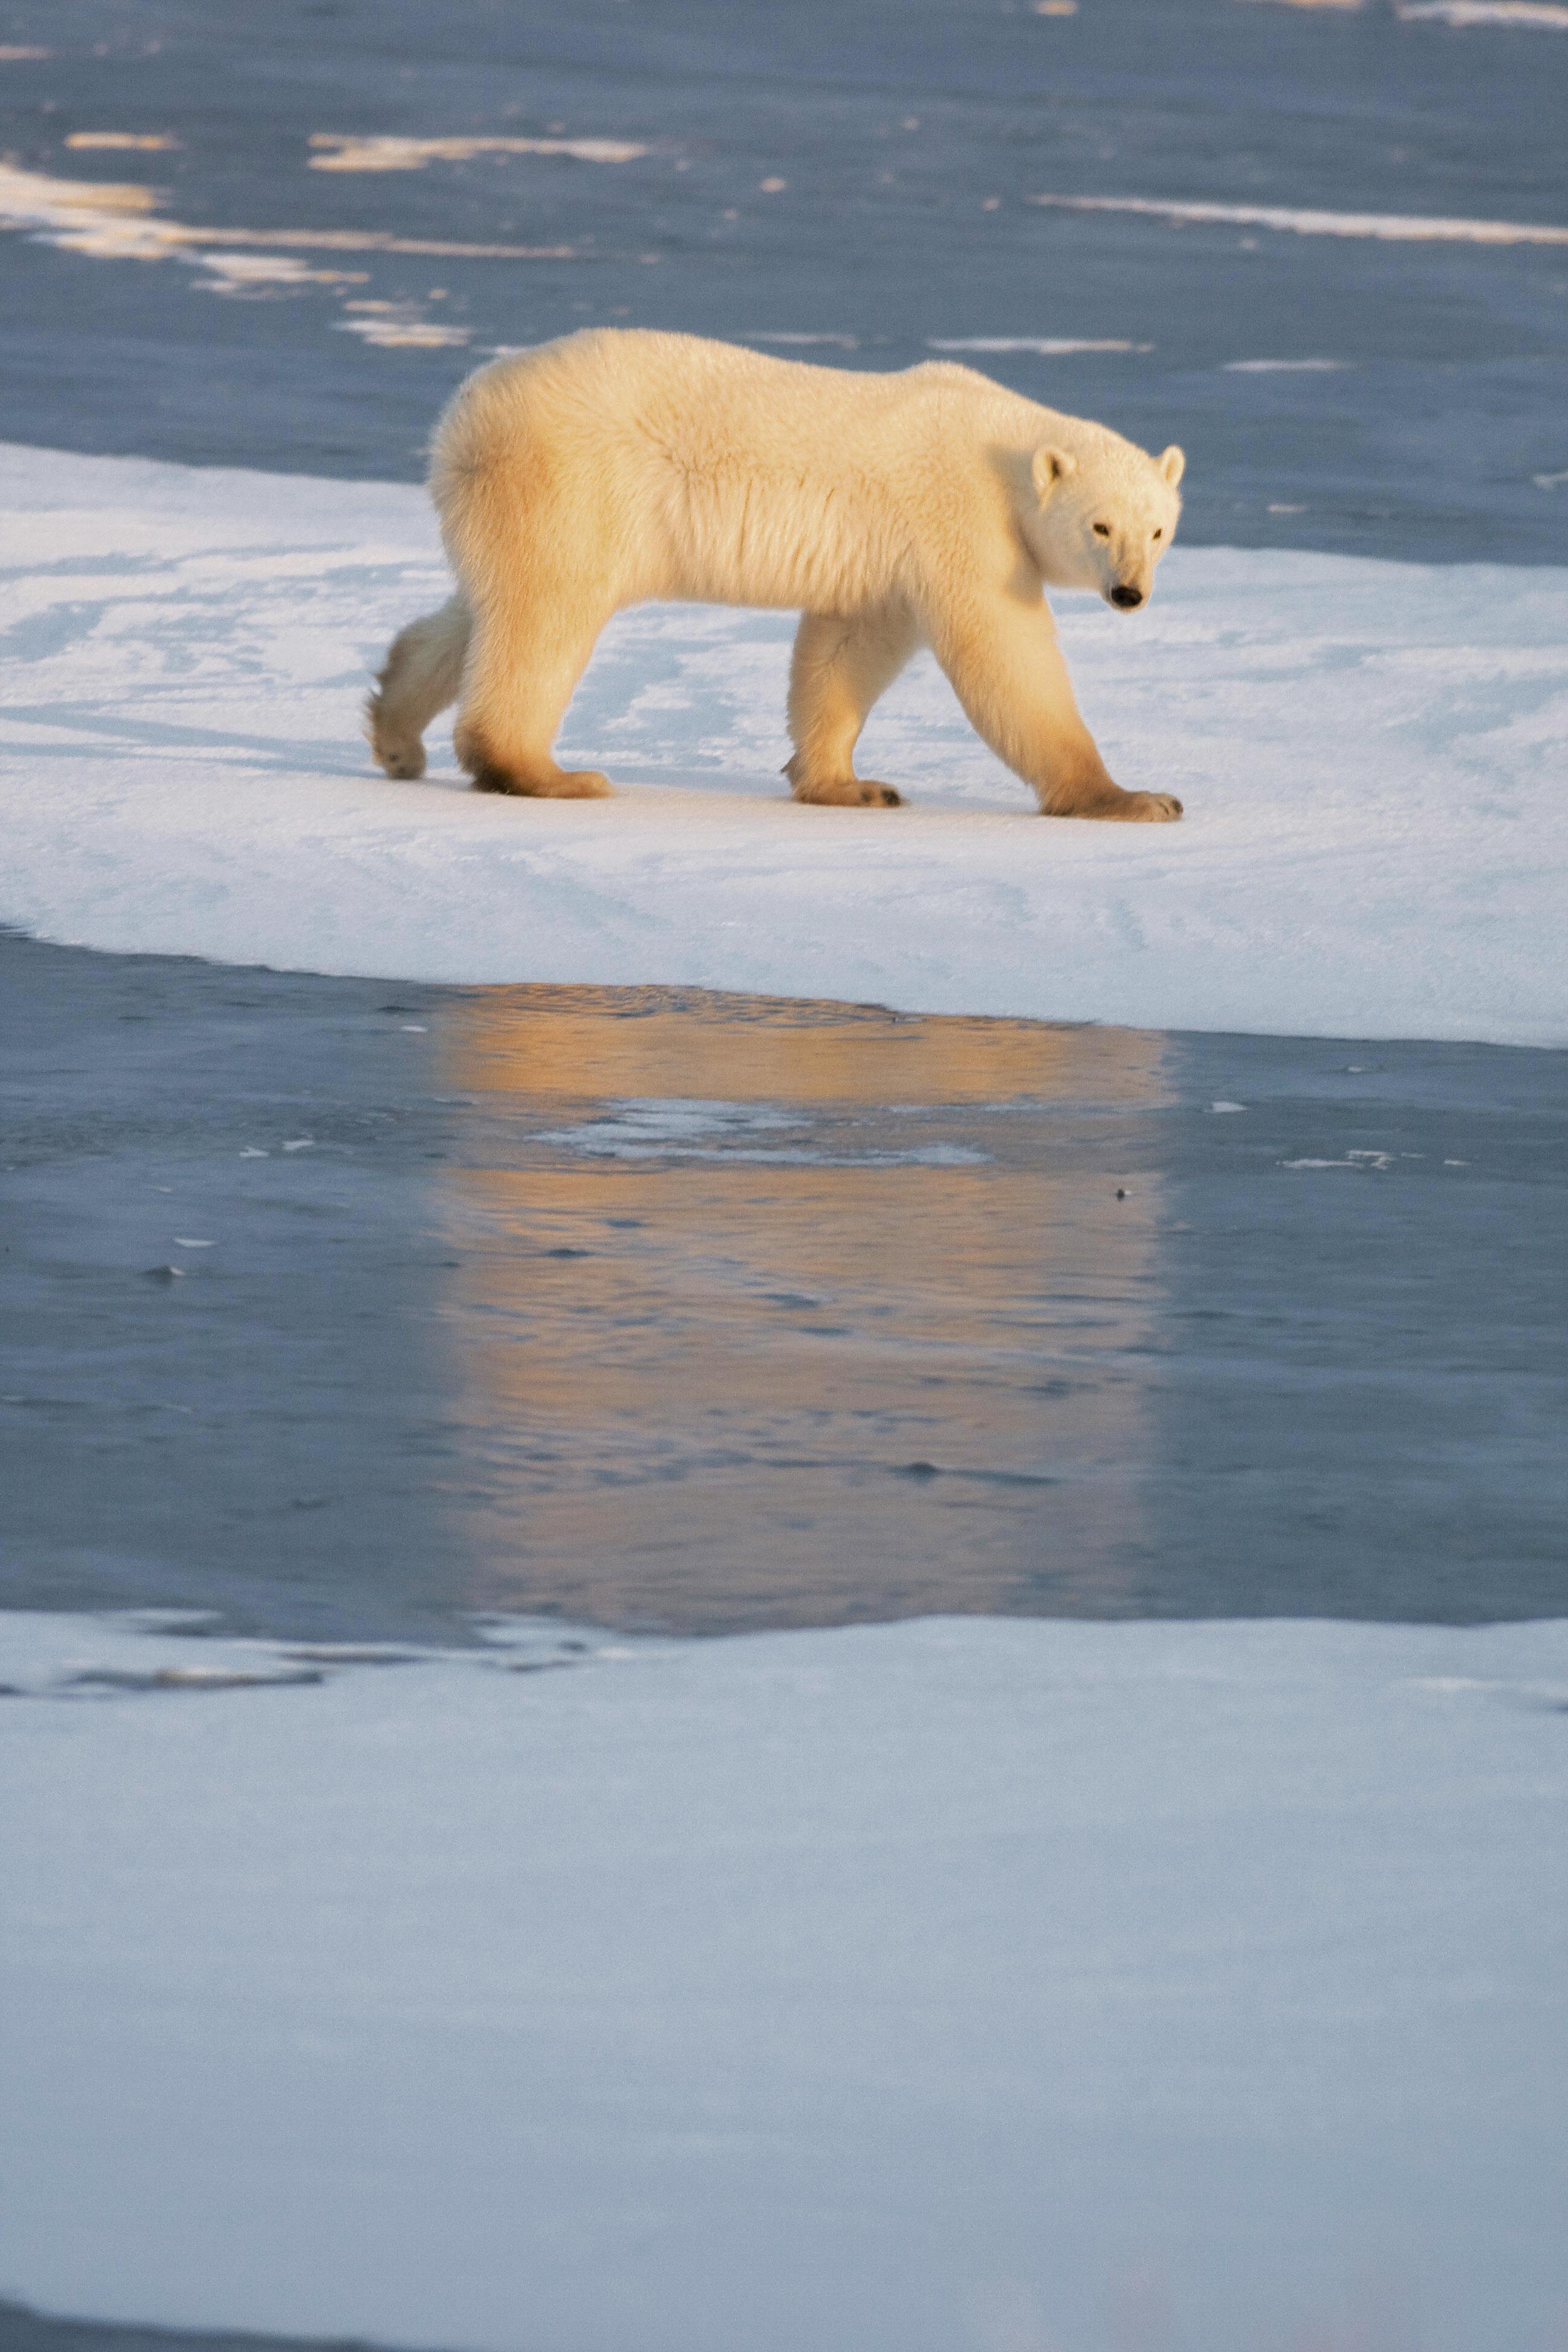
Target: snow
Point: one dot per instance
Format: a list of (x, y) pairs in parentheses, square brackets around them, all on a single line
[(1371, 756), (967, 1983)]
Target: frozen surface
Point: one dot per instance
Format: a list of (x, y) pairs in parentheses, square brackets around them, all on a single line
[(1371, 755), (964, 1983)]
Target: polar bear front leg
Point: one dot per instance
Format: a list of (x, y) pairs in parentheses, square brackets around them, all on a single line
[(1006, 668), (523, 661), (838, 670)]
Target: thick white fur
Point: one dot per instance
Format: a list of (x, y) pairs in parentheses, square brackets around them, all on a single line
[(930, 508)]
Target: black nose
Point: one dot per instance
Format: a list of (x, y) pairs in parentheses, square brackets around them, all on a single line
[(1127, 598)]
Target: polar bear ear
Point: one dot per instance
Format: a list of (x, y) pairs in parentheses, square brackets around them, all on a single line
[(1050, 466), (1173, 464)]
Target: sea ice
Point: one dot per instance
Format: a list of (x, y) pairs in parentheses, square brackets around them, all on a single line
[(1371, 755), (1312, 221), (953, 1986)]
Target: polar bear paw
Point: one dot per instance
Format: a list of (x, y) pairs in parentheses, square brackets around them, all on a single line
[(559, 785), (404, 762), (397, 752), (847, 792), (1109, 804)]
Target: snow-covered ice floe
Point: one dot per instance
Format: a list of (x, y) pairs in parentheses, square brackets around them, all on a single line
[(1372, 757), (964, 1983)]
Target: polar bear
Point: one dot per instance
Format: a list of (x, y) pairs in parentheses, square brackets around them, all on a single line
[(929, 507)]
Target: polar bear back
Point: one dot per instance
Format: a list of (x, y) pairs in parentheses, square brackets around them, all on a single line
[(704, 471)]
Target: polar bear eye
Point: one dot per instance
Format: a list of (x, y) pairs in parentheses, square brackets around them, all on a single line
[(1159, 534), (1102, 531)]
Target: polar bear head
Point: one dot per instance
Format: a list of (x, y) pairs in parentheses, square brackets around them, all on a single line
[(1102, 517)]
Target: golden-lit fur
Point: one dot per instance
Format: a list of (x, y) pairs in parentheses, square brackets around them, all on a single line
[(930, 508)]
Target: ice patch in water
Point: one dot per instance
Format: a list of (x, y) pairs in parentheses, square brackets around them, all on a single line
[(1369, 1163), (1399, 228), (393, 154), (1283, 367), (82, 212), (1048, 347), (400, 326), (113, 222), (146, 142), (660, 1129), (1539, 16), (260, 273), (645, 1119)]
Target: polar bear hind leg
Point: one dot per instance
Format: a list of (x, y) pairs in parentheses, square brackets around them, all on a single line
[(522, 666), (421, 675), (839, 667), (524, 662), (529, 650), (523, 549)]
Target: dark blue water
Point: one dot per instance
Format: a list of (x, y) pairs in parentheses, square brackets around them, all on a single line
[(339, 1308), (909, 140)]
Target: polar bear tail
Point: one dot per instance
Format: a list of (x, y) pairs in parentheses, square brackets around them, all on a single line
[(421, 675)]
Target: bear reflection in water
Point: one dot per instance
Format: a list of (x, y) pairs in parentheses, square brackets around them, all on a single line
[(797, 1313)]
